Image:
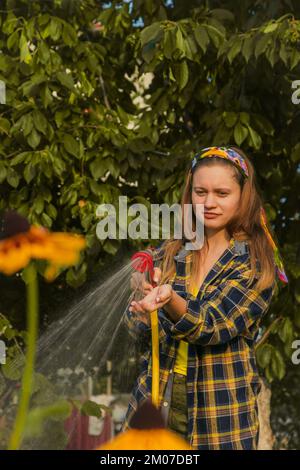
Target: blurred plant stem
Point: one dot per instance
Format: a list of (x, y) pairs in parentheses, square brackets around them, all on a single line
[(27, 379)]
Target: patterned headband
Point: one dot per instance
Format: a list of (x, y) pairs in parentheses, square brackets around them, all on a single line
[(222, 152), (240, 163)]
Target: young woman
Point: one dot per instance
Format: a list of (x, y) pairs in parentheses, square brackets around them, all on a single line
[(210, 304)]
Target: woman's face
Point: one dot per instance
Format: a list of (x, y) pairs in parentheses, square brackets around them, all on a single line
[(216, 188)]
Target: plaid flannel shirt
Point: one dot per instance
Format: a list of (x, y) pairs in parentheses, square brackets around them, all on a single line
[(220, 325)]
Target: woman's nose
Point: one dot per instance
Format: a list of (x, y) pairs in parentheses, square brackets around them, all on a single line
[(209, 202)]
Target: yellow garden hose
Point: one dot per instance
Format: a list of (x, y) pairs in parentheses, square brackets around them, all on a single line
[(155, 358), (142, 261)]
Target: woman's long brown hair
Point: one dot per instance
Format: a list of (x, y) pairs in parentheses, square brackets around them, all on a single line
[(246, 225)]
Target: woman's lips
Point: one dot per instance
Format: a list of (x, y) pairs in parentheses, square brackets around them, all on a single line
[(210, 216)]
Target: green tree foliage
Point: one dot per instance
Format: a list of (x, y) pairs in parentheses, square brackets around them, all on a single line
[(73, 135)]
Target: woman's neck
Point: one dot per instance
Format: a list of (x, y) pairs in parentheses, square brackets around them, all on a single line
[(217, 238)]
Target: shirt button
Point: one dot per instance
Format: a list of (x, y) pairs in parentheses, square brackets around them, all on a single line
[(166, 403)]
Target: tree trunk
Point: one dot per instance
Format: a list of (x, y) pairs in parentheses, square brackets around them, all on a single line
[(266, 437)]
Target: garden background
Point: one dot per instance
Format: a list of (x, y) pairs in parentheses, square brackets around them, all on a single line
[(105, 99)]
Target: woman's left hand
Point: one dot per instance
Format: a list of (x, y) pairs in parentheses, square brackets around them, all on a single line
[(156, 299)]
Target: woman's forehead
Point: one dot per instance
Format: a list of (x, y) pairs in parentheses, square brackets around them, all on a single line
[(214, 176)]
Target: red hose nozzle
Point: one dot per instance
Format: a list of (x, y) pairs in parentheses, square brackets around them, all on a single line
[(142, 261)]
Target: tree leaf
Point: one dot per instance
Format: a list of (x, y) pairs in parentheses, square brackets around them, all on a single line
[(66, 80), (25, 55), (248, 47), (240, 133), (91, 408), (264, 354), (261, 45), (71, 145), (255, 137), (230, 118), (13, 177), (29, 172), (150, 33), (278, 365), (286, 332), (40, 122), (181, 73), (34, 139), (201, 37), (270, 28), (235, 49)]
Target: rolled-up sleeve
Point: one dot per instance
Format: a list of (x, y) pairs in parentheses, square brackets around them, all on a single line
[(136, 328), (228, 311)]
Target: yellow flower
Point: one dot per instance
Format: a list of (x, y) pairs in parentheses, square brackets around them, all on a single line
[(155, 439), (148, 433), (22, 242)]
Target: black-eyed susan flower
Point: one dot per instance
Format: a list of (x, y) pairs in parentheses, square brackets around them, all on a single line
[(20, 242), (148, 432)]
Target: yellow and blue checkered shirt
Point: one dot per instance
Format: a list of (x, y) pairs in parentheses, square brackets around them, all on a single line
[(220, 326)]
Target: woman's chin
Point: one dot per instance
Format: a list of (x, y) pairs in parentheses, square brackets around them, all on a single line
[(213, 223)]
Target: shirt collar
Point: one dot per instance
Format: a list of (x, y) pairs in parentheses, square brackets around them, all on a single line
[(236, 247)]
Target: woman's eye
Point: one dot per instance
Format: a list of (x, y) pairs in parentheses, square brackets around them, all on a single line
[(201, 193)]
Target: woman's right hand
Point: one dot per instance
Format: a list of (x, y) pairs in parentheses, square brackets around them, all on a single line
[(138, 281), (139, 284)]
